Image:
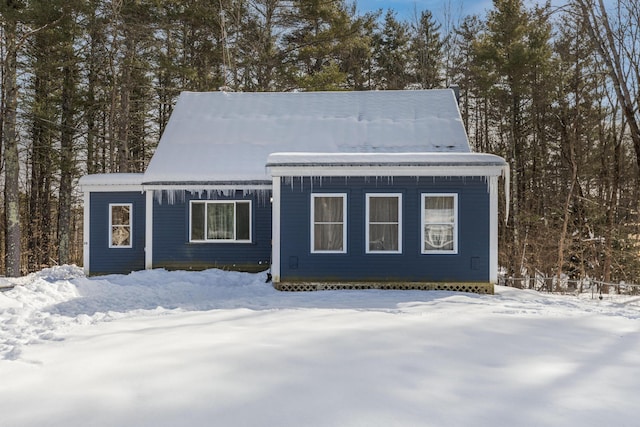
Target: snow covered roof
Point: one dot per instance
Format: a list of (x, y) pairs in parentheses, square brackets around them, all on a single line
[(227, 137)]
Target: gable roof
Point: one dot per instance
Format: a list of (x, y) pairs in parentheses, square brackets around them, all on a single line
[(227, 137)]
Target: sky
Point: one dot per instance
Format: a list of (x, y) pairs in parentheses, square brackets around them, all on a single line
[(406, 8), (458, 8)]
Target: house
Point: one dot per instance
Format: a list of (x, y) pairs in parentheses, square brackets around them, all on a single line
[(325, 189)]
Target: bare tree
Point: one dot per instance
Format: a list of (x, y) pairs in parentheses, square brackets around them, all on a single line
[(617, 39)]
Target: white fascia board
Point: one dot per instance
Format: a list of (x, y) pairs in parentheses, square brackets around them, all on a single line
[(91, 188), (399, 170), (204, 187)]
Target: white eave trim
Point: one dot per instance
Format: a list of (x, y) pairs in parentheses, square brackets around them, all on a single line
[(171, 187), (386, 170), (92, 188), (204, 187)]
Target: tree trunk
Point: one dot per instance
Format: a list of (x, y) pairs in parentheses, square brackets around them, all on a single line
[(11, 159), (66, 165), (567, 208), (38, 243)]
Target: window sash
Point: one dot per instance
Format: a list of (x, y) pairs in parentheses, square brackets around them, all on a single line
[(384, 224), (328, 223), (439, 223), (220, 221), (120, 232)]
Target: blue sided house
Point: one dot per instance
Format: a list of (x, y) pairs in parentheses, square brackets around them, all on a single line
[(324, 190)]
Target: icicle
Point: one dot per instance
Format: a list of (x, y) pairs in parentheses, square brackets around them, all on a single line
[(506, 173), (173, 196), (157, 195), (491, 185)]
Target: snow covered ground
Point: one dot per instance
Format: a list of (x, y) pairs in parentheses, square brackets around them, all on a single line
[(213, 348)]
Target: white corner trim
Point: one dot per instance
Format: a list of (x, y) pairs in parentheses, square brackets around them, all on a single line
[(275, 230), (148, 230), (493, 229), (86, 231)]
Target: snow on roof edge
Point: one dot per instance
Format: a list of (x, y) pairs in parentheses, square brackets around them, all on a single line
[(372, 159), (111, 179)]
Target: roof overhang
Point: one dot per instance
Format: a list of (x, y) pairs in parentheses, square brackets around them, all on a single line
[(208, 185), (385, 164), (110, 182)]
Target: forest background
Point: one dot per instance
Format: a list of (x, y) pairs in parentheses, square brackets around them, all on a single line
[(88, 87)]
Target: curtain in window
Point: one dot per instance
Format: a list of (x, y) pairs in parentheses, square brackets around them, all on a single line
[(197, 221), (328, 223), (220, 221), (439, 220), (383, 224), (120, 225), (243, 221)]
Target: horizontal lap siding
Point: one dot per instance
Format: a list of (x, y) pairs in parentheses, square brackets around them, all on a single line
[(471, 264), (105, 260), (172, 249)]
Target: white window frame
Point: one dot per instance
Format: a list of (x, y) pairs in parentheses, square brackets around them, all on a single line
[(344, 222), (111, 225), (423, 224), (368, 223), (206, 203)]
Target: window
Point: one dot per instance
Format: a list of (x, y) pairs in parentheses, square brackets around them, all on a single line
[(384, 228), (328, 226), (220, 221), (120, 225), (440, 223)]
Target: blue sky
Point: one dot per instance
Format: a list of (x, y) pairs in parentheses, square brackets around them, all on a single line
[(405, 8), (458, 8)]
